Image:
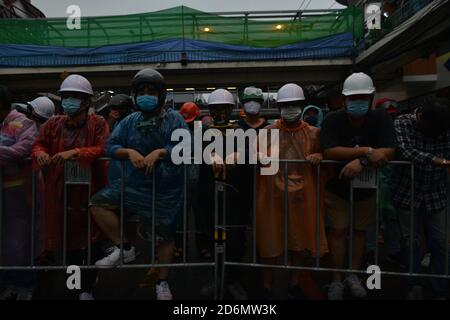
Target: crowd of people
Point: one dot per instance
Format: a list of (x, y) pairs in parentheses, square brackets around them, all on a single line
[(136, 132)]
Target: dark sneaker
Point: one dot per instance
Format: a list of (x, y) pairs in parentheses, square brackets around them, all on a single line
[(296, 293)]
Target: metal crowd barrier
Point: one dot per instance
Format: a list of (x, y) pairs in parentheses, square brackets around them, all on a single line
[(76, 176), (355, 184)]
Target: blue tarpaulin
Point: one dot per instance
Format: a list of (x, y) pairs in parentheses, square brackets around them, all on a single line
[(340, 45)]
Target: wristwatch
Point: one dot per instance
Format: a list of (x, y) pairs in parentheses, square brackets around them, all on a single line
[(364, 161)]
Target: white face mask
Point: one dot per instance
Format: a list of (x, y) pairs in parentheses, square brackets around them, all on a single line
[(252, 107), (290, 114)]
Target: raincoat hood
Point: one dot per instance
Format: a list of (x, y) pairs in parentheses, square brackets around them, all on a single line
[(319, 115)]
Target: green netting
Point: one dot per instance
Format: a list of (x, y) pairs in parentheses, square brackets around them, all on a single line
[(181, 23)]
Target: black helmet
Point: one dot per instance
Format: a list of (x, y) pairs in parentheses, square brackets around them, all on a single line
[(120, 101), (153, 77)]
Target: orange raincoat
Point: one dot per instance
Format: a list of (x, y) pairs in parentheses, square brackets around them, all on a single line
[(294, 143)]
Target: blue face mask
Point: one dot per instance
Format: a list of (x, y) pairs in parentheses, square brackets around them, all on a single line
[(147, 103), (357, 108), (71, 106)]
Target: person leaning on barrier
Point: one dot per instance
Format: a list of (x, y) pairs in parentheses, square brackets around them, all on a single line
[(142, 139), (17, 134), (71, 143), (388, 214), (424, 139), (252, 101), (362, 138), (223, 169), (297, 141)]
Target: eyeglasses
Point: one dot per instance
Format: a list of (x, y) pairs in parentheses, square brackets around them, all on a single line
[(253, 91)]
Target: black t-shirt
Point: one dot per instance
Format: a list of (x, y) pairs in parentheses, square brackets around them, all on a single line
[(235, 210), (336, 131)]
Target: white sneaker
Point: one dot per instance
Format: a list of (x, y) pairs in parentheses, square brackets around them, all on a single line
[(336, 291), (237, 291), (85, 296), (113, 259), (355, 286), (426, 260), (163, 291)]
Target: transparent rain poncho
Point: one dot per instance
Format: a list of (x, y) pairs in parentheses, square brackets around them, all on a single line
[(135, 133)]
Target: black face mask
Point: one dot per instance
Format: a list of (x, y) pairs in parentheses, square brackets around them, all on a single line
[(311, 120), (221, 115)]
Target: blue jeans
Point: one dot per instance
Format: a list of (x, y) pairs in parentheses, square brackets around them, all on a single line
[(435, 229)]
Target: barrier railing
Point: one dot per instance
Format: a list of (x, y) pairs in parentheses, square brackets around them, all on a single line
[(361, 182), (75, 175)]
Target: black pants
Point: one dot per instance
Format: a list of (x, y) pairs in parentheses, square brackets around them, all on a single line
[(238, 208)]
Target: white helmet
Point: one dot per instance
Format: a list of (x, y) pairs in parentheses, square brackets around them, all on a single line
[(43, 107), (76, 83), (221, 96), (290, 92), (358, 83), (21, 107)]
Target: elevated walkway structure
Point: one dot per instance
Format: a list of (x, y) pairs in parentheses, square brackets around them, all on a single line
[(191, 47)]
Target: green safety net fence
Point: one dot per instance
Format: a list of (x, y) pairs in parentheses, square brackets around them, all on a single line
[(183, 23)]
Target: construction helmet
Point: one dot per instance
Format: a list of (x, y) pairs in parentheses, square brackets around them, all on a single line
[(76, 83), (358, 83), (220, 96), (220, 104), (151, 77), (252, 94), (120, 101), (190, 111), (390, 105), (290, 92), (22, 108), (43, 107)]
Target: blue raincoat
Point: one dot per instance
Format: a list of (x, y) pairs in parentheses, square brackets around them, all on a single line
[(319, 115), (134, 132), (114, 167)]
